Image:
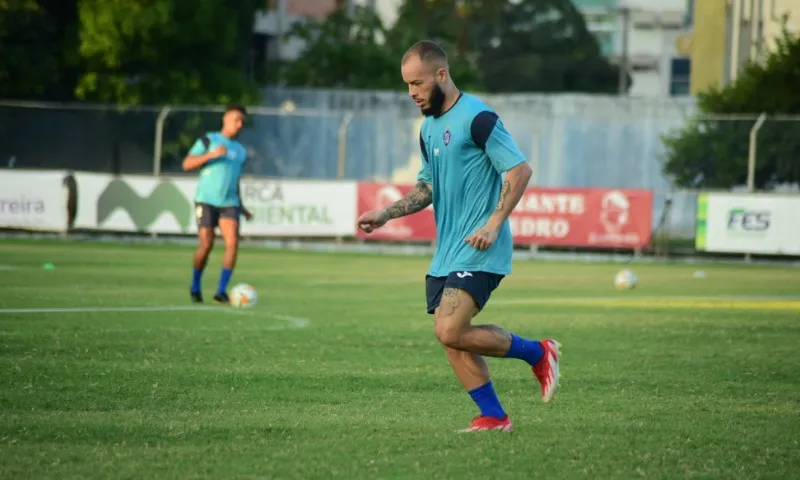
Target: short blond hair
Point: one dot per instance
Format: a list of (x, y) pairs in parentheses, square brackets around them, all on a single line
[(429, 52)]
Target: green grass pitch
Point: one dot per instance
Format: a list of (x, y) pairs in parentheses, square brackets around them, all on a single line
[(336, 372)]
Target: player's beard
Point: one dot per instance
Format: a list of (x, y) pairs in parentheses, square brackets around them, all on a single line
[(436, 102)]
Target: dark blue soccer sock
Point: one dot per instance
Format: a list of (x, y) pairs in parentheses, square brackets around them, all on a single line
[(224, 278), (487, 401), (529, 350), (197, 274)]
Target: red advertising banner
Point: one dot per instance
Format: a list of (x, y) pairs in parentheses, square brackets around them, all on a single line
[(584, 217), (575, 217), (418, 227)]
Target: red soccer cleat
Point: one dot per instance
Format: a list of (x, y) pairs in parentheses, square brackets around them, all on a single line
[(481, 424), (546, 371)]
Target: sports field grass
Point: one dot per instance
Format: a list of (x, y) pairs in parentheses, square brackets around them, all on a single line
[(336, 373)]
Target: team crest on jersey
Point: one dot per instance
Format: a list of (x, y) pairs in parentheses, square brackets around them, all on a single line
[(446, 137)]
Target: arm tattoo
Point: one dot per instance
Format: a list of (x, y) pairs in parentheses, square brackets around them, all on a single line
[(503, 195), (414, 201)]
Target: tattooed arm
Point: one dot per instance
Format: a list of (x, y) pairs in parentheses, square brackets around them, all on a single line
[(414, 201), (514, 186), (491, 136)]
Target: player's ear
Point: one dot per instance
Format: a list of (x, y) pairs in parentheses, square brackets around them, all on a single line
[(441, 75)]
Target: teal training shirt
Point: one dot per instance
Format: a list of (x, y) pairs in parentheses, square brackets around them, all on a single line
[(218, 182), (465, 153)]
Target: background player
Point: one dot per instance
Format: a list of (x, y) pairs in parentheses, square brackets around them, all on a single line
[(220, 158), (466, 150)]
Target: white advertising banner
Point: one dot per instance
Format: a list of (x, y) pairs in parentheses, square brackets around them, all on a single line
[(31, 199), (300, 208), (133, 203), (748, 223)]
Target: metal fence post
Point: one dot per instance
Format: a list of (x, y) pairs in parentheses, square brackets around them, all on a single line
[(535, 156), (342, 155), (159, 141), (751, 156)]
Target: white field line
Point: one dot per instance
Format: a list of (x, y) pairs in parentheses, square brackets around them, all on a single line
[(290, 321)]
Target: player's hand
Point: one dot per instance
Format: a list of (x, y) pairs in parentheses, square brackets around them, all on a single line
[(369, 221), (218, 152), (483, 238), (247, 214)]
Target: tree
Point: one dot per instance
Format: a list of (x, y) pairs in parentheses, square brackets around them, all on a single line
[(526, 45), (171, 51), (341, 51), (445, 22), (713, 152), (355, 51), (39, 45), (493, 45), (542, 46)]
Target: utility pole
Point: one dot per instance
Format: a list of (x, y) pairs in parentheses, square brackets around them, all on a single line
[(625, 12), (281, 25)]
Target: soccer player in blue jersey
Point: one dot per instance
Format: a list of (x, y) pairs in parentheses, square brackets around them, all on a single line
[(220, 158), (474, 174)]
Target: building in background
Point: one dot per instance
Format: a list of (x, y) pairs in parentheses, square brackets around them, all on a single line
[(725, 34), (601, 20), (278, 16), (643, 35), (646, 43)]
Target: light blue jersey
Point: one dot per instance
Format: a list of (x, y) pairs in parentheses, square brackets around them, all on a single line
[(218, 183), (465, 152)]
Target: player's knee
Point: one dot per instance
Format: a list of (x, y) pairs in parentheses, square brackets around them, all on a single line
[(448, 333), (205, 245), (232, 244)]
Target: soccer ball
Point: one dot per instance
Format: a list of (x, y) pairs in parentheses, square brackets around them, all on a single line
[(243, 296), (625, 280)]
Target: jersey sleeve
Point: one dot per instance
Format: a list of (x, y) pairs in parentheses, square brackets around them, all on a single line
[(199, 147), (424, 174), (491, 136)]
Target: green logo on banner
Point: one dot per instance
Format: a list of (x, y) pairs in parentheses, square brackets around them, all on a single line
[(166, 197)]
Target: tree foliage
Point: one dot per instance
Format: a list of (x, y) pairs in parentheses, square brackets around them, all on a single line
[(126, 51), (342, 51), (713, 152), (526, 45), (494, 45), (355, 51), (543, 46), (171, 51), (38, 40)]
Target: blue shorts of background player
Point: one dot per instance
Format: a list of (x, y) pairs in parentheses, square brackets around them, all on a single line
[(473, 174)]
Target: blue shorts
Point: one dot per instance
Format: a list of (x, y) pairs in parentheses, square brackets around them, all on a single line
[(208, 215), (479, 285)]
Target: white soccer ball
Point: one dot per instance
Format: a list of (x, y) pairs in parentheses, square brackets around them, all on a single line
[(243, 296), (625, 280)]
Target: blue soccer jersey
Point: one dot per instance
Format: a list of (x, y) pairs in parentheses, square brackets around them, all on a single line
[(465, 152), (218, 182)]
